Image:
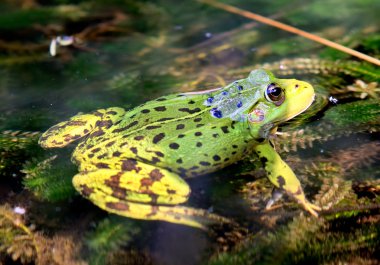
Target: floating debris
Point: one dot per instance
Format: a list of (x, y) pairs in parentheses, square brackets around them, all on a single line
[(60, 41)]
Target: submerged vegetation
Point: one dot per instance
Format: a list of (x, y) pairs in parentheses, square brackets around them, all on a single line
[(126, 52)]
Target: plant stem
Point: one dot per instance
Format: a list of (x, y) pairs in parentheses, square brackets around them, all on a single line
[(294, 30)]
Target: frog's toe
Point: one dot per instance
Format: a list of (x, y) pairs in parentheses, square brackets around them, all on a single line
[(316, 207), (311, 208), (299, 196)]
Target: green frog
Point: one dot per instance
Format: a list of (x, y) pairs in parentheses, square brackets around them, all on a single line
[(134, 163)]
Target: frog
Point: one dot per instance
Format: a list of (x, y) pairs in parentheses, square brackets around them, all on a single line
[(136, 163)]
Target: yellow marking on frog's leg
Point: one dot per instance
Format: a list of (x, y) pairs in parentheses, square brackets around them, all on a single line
[(144, 185), (145, 192), (282, 176), (78, 126)]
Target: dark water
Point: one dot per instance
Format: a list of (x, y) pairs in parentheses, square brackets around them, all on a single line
[(128, 52)]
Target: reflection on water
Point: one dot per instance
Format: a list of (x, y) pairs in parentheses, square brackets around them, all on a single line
[(128, 52)]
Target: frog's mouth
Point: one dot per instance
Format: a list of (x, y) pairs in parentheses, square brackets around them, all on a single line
[(301, 110)]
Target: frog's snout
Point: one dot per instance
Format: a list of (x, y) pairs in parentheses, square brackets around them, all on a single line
[(302, 87), (307, 92), (299, 95)]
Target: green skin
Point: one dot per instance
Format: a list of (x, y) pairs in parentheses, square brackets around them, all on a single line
[(133, 163)]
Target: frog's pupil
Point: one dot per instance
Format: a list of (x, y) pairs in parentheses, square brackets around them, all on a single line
[(276, 91)]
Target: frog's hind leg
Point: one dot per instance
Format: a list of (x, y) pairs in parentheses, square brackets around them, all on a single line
[(282, 176), (78, 126), (174, 214), (150, 194)]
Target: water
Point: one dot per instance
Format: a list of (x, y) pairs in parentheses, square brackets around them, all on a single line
[(127, 52)]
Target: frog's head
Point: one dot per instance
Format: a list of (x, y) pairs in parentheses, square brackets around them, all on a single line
[(279, 101)]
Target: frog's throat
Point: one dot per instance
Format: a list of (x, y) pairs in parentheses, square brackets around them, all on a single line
[(266, 129)]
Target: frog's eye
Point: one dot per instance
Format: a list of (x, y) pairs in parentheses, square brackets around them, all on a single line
[(274, 94)]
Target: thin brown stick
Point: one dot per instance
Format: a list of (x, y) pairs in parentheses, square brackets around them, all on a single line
[(294, 30)]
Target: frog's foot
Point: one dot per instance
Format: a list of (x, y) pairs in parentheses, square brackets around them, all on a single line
[(308, 206), (281, 175), (78, 126), (312, 208), (152, 194), (277, 194)]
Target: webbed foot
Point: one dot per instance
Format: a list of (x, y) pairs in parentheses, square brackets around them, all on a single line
[(277, 194), (308, 206)]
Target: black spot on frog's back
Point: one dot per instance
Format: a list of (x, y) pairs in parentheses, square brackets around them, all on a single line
[(174, 146), (180, 126), (158, 137), (190, 111), (216, 158), (225, 129), (126, 127), (160, 108)]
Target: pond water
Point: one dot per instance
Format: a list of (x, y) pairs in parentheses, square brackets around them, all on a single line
[(124, 53)]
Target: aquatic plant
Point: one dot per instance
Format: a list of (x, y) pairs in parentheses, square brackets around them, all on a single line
[(49, 181), (341, 120), (306, 239), (15, 145), (127, 52), (16, 239), (109, 236)]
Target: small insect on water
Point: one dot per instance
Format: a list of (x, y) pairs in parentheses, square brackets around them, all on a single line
[(333, 100)]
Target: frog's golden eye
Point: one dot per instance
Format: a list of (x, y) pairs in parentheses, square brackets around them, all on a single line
[(274, 94)]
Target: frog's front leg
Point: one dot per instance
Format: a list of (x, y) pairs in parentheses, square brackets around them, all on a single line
[(282, 176), (78, 126), (141, 191)]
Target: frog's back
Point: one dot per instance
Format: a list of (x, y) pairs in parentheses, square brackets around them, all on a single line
[(208, 104), (160, 111), (148, 121), (173, 130)]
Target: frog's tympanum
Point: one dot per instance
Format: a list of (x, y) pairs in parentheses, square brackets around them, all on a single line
[(133, 163)]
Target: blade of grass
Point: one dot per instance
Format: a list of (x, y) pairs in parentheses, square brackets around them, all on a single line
[(291, 29)]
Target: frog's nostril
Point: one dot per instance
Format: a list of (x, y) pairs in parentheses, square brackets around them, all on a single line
[(296, 87)]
